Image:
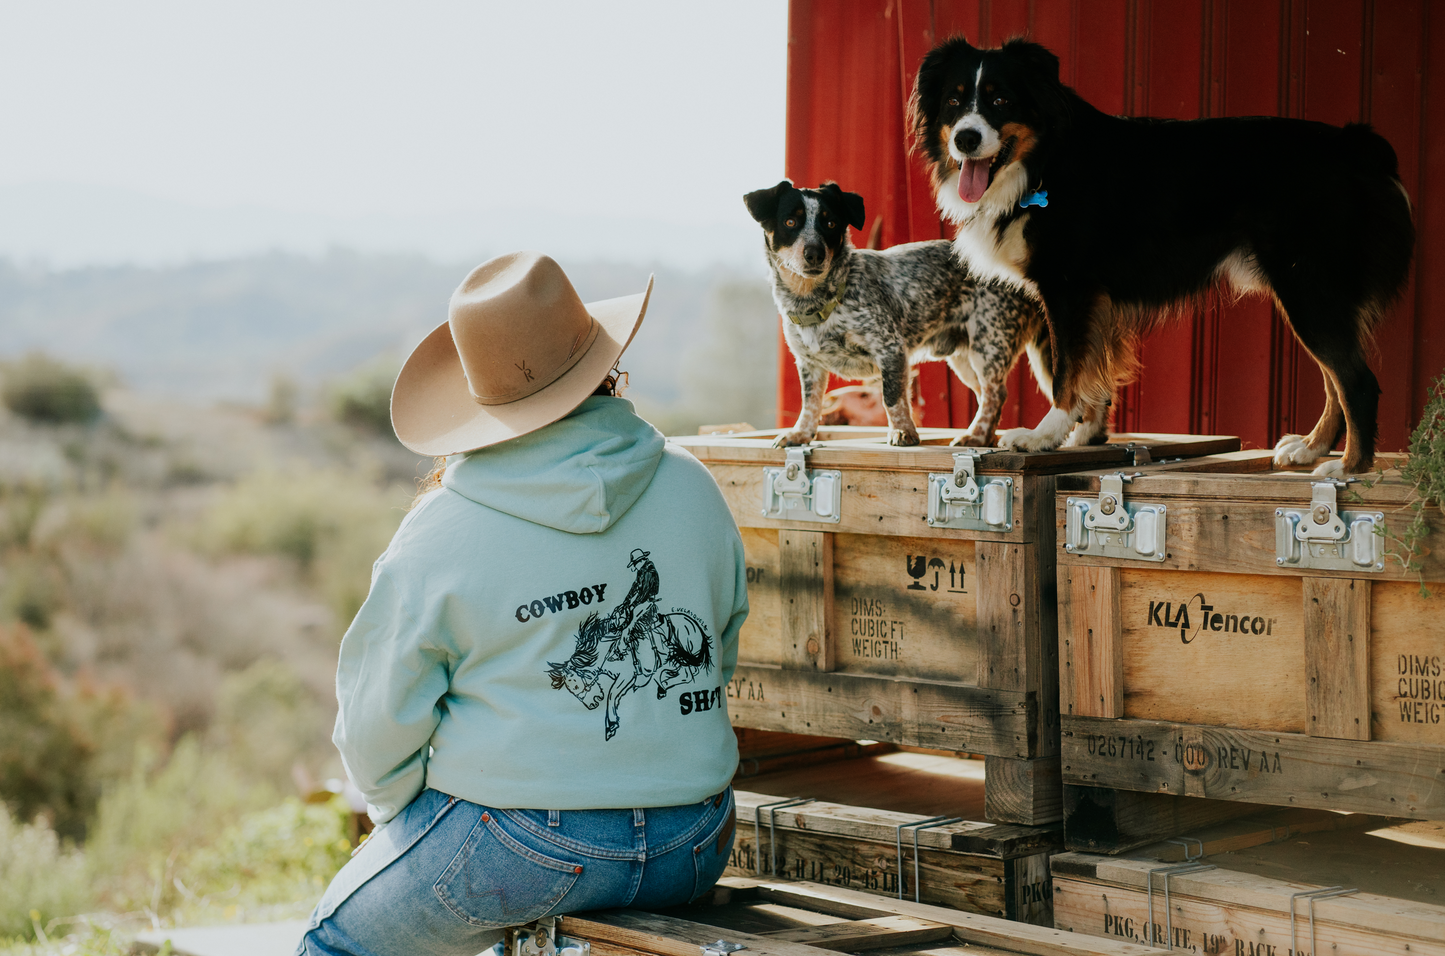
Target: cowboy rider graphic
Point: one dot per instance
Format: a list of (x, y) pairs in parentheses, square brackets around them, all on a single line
[(644, 592)]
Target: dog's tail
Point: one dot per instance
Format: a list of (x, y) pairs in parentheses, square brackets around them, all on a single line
[(1389, 222)]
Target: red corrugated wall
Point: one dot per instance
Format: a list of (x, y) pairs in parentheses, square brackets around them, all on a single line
[(1231, 368)]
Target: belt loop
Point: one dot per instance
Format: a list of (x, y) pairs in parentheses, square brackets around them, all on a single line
[(554, 818), (639, 819)]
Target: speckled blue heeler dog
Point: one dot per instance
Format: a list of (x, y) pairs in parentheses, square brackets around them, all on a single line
[(864, 313)]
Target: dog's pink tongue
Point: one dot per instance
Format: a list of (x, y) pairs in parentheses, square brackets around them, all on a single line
[(972, 179)]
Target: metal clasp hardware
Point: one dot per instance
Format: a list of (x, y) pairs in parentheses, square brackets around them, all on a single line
[(964, 500), (1191, 864), (1325, 537), (539, 938), (1141, 453), (1323, 893), (721, 948), (793, 493), (1110, 526)]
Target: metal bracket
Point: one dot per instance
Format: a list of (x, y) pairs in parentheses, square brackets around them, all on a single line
[(539, 938), (772, 809), (1141, 453), (1325, 537), (1191, 865), (1111, 526), (915, 826), (1324, 893), (964, 500), (793, 493), (721, 948)]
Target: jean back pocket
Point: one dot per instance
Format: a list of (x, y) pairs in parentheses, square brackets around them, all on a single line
[(496, 880)]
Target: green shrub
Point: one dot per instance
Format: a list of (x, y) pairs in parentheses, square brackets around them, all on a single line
[(267, 719), (44, 390), (363, 398), (40, 879)]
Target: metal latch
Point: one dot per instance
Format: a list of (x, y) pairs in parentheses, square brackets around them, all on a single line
[(721, 948), (965, 500), (1111, 526), (793, 493), (1326, 538), (540, 938)]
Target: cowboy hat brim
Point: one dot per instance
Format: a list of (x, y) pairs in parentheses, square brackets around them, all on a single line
[(434, 413)]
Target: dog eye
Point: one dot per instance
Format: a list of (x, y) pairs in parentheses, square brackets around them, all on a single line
[(830, 224), (1000, 102), (790, 223), (953, 101)]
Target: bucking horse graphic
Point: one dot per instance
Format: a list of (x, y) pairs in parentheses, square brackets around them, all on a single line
[(662, 649)]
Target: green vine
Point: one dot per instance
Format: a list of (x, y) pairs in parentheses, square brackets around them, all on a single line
[(1424, 472)]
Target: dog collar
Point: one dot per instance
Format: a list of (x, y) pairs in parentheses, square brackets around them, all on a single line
[(819, 317), (1039, 197)]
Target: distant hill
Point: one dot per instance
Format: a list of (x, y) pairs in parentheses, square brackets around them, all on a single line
[(219, 331)]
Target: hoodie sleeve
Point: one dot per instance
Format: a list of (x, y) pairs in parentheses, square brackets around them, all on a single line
[(390, 681), (728, 645)]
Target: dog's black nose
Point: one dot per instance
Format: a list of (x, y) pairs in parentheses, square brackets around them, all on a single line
[(967, 140), (814, 253)]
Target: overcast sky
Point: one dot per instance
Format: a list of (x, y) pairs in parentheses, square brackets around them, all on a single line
[(150, 130)]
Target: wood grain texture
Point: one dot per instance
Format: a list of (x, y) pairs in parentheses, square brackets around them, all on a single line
[(858, 936), (805, 576), (1337, 658), (1028, 792), (1229, 904), (919, 713), (906, 606), (761, 637), (669, 936), (1206, 648), (972, 928), (1091, 677), (1407, 663), (1225, 763)]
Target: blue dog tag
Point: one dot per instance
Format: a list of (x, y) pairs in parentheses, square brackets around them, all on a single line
[(1037, 198)]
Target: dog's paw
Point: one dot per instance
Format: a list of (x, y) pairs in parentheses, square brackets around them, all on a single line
[(899, 436), (1027, 439), (1294, 450), (1331, 468), (794, 437), (971, 439)]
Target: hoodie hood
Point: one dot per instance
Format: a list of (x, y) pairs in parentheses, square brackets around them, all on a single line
[(579, 474)]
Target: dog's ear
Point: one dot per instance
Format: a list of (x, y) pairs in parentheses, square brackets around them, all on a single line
[(763, 203), (850, 203), (928, 89), (1035, 57)]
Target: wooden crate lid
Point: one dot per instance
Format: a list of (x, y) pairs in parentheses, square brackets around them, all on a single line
[(867, 448), (1004, 841)]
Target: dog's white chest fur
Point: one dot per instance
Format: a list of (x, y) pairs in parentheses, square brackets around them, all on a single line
[(989, 254)]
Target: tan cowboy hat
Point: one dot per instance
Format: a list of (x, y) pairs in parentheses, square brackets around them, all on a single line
[(519, 351)]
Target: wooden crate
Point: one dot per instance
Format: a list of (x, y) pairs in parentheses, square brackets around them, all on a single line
[(876, 622), (1246, 666), (998, 869), (1239, 902), (787, 918)]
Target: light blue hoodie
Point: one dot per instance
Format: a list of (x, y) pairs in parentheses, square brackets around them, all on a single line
[(552, 629)]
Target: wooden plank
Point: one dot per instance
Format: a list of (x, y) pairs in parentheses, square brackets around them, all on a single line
[(1222, 905), (857, 936), (1248, 765), (1112, 821), (761, 637), (1273, 827), (970, 927), (960, 880), (1207, 648), (905, 606), (1009, 614), (926, 784), (842, 822), (1337, 657), (919, 713), (1030, 888), (805, 574), (1028, 792), (669, 936), (1407, 666), (1092, 675)]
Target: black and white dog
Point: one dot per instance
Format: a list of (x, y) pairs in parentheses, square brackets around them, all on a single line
[(1116, 224), (863, 313)]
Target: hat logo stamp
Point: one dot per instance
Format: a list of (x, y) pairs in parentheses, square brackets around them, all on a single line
[(523, 366)]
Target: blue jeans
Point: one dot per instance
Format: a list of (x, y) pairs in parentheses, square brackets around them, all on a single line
[(446, 876)]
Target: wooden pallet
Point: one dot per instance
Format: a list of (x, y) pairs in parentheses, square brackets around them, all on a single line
[(882, 626), (790, 918), (1226, 672), (1238, 902)]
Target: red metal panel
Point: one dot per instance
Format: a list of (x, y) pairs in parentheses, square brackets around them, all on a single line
[(1233, 367)]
